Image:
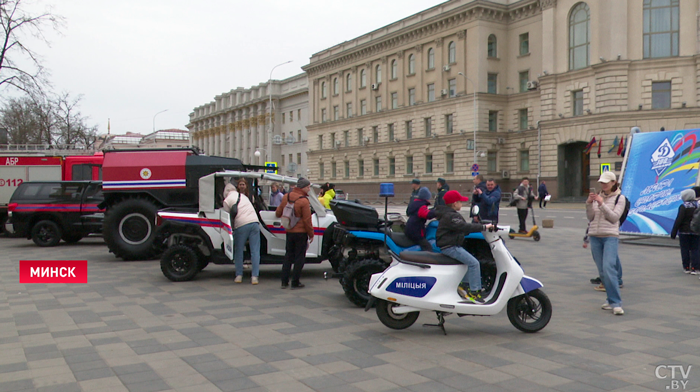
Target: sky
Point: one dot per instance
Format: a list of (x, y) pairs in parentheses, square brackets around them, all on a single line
[(132, 59)]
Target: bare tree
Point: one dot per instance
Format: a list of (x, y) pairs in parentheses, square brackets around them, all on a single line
[(71, 126), (17, 23), (19, 117)]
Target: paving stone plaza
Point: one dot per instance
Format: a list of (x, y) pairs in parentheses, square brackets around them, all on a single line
[(131, 329)]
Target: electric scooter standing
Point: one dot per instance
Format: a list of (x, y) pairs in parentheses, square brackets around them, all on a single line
[(532, 233), (419, 281)]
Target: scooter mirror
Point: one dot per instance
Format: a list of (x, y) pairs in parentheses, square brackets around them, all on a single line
[(475, 210)]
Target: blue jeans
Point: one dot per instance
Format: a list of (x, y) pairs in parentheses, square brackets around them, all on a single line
[(618, 267), (604, 251), (473, 276), (690, 250), (250, 233)]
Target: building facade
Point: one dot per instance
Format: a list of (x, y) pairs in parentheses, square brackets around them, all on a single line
[(164, 138), (517, 87), (238, 124)]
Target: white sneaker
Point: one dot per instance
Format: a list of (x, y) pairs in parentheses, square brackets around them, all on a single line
[(694, 272), (254, 280), (239, 279), (618, 311), (606, 306)]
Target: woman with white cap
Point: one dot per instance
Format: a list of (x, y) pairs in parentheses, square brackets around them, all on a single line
[(603, 211), (689, 241)]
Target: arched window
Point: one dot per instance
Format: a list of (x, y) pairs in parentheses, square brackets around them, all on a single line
[(363, 78), (492, 47), (335, 86), (579, 36), (323, 90), (394, 69), (411, 64), (431, 58), (348, 82), (452, 52), (661, 28), (378, 74)]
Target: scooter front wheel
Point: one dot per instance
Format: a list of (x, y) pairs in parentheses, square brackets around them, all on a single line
[(385, 312), (530, 312), (509, 234), (536, 236)]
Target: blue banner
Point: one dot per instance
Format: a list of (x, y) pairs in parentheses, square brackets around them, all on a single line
[(659, 166)]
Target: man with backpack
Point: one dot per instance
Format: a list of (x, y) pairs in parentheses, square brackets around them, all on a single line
[(295, 211)]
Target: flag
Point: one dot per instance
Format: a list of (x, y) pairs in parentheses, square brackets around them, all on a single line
[(621, 146), (624, 149), (615, 145), (600, 144), (589, 146)]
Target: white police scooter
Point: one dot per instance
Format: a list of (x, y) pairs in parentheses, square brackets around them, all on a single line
[(418, 281)]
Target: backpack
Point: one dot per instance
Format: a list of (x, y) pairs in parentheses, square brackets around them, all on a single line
[(289, 218), (626, 211)]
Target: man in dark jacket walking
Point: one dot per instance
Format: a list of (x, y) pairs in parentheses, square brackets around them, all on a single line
[(418, 214), (542, 193), (442, 188), (489, 201), (415, 186), (298, 237)]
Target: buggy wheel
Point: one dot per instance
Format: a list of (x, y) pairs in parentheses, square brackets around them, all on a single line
[(536, 235), (356, 280), (179, 263), (46, 233), (385, 313), (530, 312)]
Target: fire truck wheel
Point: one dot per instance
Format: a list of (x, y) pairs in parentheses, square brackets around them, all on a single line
[(179, 263), (129, 229), (46, 233)]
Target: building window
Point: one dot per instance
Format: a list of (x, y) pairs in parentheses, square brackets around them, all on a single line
[(284, 117), (320, 142), (323, 90), (493, 121), (431, 58), (661, 28), (321, 168), (346, 138), (390, 132), (347, 169), (336, 113), (409, 165), (450, 162), (298, 114), (431, 92), (579, 36), (375, 134), (363, 107), (522, 113), (524, 78), (392, 166), (378, 104), (291, 116), (492, 83), (448, 124), (524, 44), (360, 167), (348, 82), (409, 129), (282, 159), (411, 64), (470, 144), (333, 169), (378, 74), (428, 122), (491, 162), (411, 96), (298, 158), (452, 52), (336, 86), (452, 83), (577, 98), (348, 109), (491, 46), (299, 136), (333, 141), (394, 69), (363, 78), (428, 163), (394, 100), (661, 95), (323, 115), (360, 137), (524, 160), (375, 163)]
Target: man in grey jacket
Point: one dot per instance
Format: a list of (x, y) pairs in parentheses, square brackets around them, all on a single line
[(523, 194)]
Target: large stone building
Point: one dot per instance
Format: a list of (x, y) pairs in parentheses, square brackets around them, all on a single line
[(542, 76), (237, 124)]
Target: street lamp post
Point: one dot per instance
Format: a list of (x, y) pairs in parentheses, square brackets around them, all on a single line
[(154, 118), (257, 153), (270, 130), (475, 110)]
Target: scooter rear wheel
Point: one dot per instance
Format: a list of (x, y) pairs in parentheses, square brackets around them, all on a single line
[(536, 236), (392, 320), (530, 312)]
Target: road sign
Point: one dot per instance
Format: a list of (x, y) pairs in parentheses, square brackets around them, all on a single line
[(272, 167), (604, 167), (475, 168), (474, 174)]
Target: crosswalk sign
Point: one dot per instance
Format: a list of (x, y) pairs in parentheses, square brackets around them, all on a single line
[(272, 167)]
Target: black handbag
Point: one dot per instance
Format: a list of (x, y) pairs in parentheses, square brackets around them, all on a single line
[(234, 209)]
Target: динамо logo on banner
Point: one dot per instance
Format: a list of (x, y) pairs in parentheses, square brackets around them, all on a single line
[(662, 157)]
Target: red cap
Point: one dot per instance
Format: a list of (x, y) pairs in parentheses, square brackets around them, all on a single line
[(453, 197)]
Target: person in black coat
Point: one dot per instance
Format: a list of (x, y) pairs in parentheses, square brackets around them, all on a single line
[(689, 241), (542, 193), (479, 188), (442, 188), (418, 214)]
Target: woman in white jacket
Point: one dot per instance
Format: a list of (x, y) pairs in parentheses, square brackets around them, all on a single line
[(245, 228), (603, 211)]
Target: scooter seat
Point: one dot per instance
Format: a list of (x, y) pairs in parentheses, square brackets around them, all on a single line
[(428, 258), (400, 239)]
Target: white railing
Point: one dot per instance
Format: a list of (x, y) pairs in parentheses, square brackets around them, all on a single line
[(46, 148)]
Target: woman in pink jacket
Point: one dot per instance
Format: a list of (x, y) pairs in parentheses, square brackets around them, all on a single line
[(245, 228), (603, 211)]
